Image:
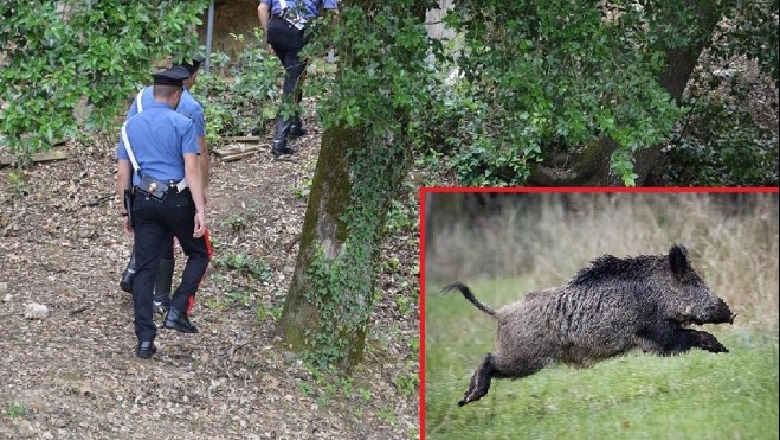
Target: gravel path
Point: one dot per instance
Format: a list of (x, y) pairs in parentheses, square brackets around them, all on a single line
[(73, 374)]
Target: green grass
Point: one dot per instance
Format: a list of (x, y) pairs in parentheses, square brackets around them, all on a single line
[(697, 395)]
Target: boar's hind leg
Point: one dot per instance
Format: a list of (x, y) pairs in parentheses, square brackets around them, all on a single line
[(479, 384)]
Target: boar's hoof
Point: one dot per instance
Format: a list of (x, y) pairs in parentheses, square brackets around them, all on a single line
[(709, 343), (468, 399), (717, 347)]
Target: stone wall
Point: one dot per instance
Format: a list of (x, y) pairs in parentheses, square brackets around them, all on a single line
[(240, 17), (231, 16)]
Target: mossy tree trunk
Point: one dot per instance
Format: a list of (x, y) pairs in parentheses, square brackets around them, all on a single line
[(324, 231), (362, 162), (332, 294)]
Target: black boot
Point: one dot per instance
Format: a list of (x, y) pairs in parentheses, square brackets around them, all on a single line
[(162, 286), (145, 349), (296, 127), (178, 320), (128, 276), (280, 138)]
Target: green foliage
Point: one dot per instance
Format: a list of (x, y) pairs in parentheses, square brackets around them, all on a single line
[(384, 74), (17, 183), (239, 274), (16, 409), (243, 298), (380, 87), (342, 309), (752, 31), (405, 303), (531, 81), (241, 94), (728, 151), (722, 142), (264, 312), (238, 222), (70, 61), (542, 77), (407, 384), (243, 264)]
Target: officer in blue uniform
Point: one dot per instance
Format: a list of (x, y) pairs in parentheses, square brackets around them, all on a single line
[(284, 22), (159, 149), (190, 107)]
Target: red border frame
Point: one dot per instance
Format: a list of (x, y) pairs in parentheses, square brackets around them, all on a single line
[(484, 189)]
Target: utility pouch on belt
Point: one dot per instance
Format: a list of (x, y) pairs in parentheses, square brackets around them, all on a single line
[(152, 187)]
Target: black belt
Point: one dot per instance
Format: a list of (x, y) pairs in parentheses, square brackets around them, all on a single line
[(170, 190), (172, 186), (286, 21)]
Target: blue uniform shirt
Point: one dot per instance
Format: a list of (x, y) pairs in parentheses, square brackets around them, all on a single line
[(191, 108), (188, 106), (309, 8), (159, 137)]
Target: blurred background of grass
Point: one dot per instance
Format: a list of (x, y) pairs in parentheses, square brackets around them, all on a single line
[(534, 241)]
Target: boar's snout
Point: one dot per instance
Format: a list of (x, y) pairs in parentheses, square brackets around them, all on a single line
[(719, 314)]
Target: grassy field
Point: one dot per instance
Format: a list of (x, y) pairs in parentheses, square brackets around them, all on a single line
[(698, 395)]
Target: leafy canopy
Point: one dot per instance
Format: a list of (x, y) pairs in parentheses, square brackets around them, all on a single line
[(58, 57)]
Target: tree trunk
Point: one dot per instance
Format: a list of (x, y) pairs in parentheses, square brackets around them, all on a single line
[(332, 294), (323, 231)]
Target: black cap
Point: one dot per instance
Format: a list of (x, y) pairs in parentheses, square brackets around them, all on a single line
[(193, 65), (171, 77)]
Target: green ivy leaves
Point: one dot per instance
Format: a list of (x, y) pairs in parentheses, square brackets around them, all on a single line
[(72, 65)]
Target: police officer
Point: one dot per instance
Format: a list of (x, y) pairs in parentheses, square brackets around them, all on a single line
[(191, 108), (162, 147), (284, 22)]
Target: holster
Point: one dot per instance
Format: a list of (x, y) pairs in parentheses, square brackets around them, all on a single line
[(151, 187), (128, 202)]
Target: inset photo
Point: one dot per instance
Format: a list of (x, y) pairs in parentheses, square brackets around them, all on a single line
[(589, 315)]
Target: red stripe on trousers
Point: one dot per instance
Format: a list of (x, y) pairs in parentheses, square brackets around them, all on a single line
[(210, 252)]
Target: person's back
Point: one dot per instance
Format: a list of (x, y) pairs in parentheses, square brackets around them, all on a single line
[(188, 106), (160, 137), (158, 153), (192, 109), (284, 24)]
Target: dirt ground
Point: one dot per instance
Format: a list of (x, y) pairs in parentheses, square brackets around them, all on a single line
[(73, 374)]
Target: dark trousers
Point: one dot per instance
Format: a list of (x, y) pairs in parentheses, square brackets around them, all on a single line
[(287, 42), (155, 222)]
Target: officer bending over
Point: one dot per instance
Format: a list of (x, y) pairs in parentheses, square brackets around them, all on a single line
[(162, 145), (284, 22)]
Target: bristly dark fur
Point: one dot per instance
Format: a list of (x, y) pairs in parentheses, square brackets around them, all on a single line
[(612, 306), (608, 267)]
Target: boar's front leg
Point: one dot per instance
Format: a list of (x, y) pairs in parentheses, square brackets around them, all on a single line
[(674, 340), (706, 341)]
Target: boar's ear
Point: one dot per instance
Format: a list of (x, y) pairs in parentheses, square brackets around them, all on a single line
[(678, 260)]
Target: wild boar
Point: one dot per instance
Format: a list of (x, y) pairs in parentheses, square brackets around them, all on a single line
[(609, 308)]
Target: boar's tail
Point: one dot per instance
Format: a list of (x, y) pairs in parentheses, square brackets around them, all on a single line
[(469, 295)]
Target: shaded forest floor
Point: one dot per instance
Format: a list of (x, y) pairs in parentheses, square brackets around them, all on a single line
[(73, 375)]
